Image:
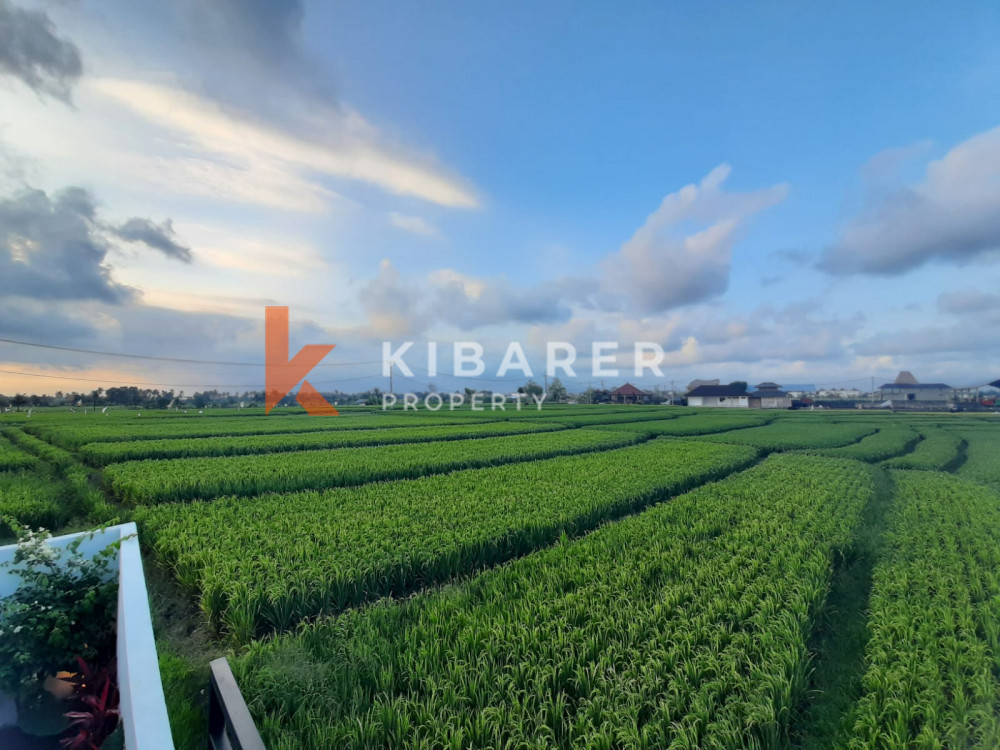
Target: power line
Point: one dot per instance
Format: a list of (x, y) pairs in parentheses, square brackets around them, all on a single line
[(166, 359)]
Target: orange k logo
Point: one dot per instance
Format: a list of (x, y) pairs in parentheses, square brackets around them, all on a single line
[(281, 374)]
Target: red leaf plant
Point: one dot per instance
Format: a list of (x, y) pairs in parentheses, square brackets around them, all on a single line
[(98, 692)]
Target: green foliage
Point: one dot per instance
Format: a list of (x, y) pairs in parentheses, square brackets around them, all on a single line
[(936, 452), (101, 454), (64, 608), (689, 424), (184, 685), (890, 440), (94, 428), (683, 627), (786, 434), (932, 669), (266, 563), (638, 414), (50, 454), (13, 458), (33, 500), (149, 482), (557, 391), (982, 463)]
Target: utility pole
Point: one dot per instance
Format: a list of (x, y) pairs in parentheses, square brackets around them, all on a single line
[(390, 376)]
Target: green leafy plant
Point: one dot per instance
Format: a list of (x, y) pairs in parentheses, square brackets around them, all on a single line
[(63, 609)]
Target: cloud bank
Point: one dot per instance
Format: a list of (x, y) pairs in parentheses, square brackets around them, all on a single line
[(683, 252), (951, 216), (55, 247)]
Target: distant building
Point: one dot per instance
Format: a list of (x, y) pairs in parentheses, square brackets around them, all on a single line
[(629, 394), (769, 396), (841, 394), (724, 396), (906, 392)]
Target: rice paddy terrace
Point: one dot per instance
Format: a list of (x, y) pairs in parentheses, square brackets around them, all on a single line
[(607, 577)]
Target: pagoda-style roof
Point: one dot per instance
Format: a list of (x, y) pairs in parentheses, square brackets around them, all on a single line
[(628, 390)]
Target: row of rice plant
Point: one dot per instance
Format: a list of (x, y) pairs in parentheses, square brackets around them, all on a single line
[(982, 462), (685, 627), (150, 482), (792, 434), (33, 498), (12, 458), (265, 563), (933, 659), (50, 454), (889, 441), (637, 416), (690, 425), (34, 490), (938, 451), (529, 410), (95, 428), (101, 454)]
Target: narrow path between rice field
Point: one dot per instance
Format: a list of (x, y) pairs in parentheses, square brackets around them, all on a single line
[(960, 458), (839, 640)]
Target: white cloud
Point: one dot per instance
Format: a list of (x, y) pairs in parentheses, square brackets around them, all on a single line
[(218, 145), (682, 253), (414, 225), (951, 216)]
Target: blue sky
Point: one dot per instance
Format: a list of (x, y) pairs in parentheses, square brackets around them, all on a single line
[(767, 190)]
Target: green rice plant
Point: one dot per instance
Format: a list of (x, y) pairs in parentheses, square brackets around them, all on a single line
[(685, 626), (933, 658), (56, 457), (982, 461), (938, 451), (33, 499), (101, 454), (12, 458), (890, 440), (149, 482), (633, 416), (789, 434), (693, 424), (265, 563), (95, 428)]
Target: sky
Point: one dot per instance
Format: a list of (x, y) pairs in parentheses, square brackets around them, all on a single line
[(769, 191)]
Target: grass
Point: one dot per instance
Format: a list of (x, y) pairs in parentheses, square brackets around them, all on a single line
[(838, 644), (185, 648)]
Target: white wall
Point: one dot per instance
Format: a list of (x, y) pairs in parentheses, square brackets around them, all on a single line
[(143, 708), (730, 402)]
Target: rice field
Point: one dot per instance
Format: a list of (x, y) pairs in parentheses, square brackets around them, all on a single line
[(575, 576)]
